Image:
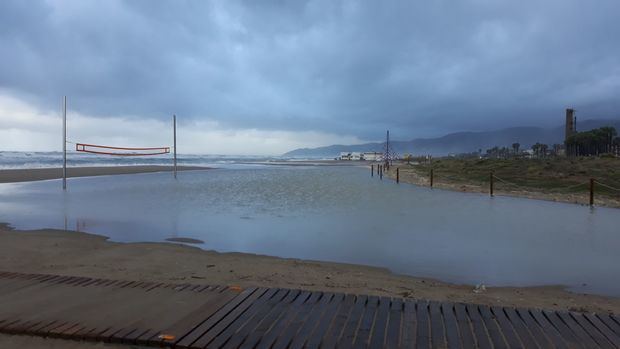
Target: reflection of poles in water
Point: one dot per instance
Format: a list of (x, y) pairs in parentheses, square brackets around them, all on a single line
[(64, 209)]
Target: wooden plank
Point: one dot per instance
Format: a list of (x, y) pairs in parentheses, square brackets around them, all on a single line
[(288, 314), (465, 328), (530, 333), (213, 302), (408, 339), (239, 337), (289, 332), (611, 324), (394, 324), (451, 325), (486, 329), (379, 329), (614, 338), (215, 316), (438, 337), (355, 317), (577, 329), (506, 327), (269, 320), (567, 334), (598, 336), (311, 322), (242, 311), (483, 339), (325, 322), (363, 332), (333, 335), (423, 329)]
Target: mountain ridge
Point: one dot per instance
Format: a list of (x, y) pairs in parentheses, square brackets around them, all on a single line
[(462, 141)]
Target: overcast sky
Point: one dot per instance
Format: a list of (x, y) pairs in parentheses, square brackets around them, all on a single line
[(263, 77)]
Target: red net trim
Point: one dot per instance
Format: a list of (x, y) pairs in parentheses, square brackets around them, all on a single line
[(121, 151)]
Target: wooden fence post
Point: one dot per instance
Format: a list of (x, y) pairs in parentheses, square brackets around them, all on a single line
[(431, 177), (591, 191), (397, 175), (381, 172), (372, 170), (491, 183)]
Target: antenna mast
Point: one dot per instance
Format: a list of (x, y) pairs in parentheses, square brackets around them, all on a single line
[(388, 155)]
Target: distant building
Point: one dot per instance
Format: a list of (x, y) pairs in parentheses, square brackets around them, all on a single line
[(372, 156), (350, 156), (357, 156)]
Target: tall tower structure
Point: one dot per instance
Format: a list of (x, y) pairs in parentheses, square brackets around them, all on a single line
[(571, 122), (388, 152)]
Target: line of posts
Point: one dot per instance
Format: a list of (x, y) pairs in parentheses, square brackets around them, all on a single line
[(380, 169)]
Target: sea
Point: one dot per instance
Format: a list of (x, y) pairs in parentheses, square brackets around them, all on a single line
[(21, 160)]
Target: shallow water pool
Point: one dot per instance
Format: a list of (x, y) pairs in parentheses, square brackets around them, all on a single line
[(339, 214)]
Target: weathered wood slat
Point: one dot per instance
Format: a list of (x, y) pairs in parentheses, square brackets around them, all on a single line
[(204, 316), (506, 328), (325, 322), (465, 327), (438, 337), (289, 331), (451, 325), (423, 329), (331, 338), (395, 320), (355, 317), (614, 338), (363, 332), (577, 329), (528, 337)]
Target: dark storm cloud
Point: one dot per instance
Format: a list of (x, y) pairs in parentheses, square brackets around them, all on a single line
[(354, 67)]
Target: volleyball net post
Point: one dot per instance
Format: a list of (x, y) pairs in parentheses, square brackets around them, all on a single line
[(64, 143), (174, 131)]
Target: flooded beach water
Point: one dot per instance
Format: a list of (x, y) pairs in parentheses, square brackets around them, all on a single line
[(339, 214)]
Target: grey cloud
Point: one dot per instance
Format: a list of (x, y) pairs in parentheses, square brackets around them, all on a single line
[(349, 67)]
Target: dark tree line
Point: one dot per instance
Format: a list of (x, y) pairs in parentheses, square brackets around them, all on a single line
[(594, 142)]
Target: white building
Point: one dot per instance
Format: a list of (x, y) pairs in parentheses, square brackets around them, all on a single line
[(372, 156), (351, 156)]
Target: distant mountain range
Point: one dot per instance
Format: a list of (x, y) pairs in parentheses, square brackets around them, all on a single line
[(461, 142)]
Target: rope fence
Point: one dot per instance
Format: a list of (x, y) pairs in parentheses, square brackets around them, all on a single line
[(606, 186), (589, 184)]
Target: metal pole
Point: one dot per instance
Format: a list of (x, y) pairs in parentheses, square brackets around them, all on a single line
[(491, 183), (174, 129), (372, 170), (64, 143), (431, 177), (591, 191)]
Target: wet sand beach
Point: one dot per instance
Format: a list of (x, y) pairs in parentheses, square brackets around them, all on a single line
[(81, 254), (38, 174)]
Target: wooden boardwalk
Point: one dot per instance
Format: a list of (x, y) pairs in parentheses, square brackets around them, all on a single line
[(202, 316)]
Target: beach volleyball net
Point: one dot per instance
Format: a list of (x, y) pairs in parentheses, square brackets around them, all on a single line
[(120, 151)]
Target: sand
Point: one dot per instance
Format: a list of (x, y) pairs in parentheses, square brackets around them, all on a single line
[(38, 174), (81, 254)]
